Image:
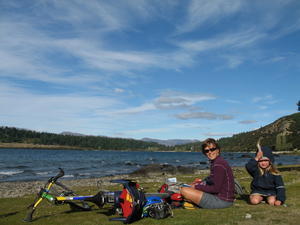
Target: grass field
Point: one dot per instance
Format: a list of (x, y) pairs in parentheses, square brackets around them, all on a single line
[(13, 210)]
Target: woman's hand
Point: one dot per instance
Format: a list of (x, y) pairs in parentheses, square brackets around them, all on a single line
[(193, 185), (259, 154), (196, 181), (258, 145)]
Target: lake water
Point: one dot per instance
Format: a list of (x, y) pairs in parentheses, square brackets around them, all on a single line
[(39, 164)]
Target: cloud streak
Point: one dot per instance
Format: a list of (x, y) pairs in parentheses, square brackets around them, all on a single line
[(94, 51), (247, 121), (171, 99), (203, 115), (208, 11), (217, 134)]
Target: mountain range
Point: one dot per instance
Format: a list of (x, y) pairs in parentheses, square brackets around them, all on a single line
[(171, 142)]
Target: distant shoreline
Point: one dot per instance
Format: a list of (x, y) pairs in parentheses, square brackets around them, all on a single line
[(64, 147), (38, 146), (61, 147)]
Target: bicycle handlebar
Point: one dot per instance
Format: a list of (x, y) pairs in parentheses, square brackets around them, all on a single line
[(60, 174), (48, 185)]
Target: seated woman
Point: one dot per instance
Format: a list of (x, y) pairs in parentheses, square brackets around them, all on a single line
[(217, 190), (267, 183)]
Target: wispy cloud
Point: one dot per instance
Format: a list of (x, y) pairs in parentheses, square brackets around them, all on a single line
[(103, 16), (27, 48), (27, 53), (203, 115), (258, 99), (119, 90), (217, 134), (115, 65), (233, 47), (143, 131), (247, 121), (284, 28), (237, 45), (233, 101), (200, 12), (237, 40), (234, 60), (53, 112), (271, 17), (263, 107), (276, 59), (171, 99), (138, 109), (267, 99), (98, 57)]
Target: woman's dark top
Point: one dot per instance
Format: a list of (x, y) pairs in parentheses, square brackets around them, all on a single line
[(220, 181)]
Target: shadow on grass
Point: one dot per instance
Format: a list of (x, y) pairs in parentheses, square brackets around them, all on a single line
[(9, 214), (244, 197), (289, 168), (60, 213), (108, 212), (40, 217)]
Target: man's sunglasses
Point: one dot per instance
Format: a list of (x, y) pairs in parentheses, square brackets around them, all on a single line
[(210, 150)]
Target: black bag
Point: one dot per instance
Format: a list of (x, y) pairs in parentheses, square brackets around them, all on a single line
[(158, 210), (131, 201)]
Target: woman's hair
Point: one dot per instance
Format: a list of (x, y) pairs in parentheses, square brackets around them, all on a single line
[(271, 169), (209, 141)]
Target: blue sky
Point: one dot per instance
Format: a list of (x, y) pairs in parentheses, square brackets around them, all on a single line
[(158, 69)]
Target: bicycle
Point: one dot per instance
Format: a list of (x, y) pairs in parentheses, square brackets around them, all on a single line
[(129, 202)]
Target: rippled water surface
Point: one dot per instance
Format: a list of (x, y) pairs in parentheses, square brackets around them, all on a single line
[(39, 164)]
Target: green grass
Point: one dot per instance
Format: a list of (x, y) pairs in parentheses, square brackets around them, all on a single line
[(13, 210)]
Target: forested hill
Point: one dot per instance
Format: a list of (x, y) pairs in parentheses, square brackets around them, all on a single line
[(15, 135), (283, 134)]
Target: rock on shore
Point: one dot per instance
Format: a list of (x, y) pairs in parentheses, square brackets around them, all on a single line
[(163, 169), (149, 173), (21, 188)]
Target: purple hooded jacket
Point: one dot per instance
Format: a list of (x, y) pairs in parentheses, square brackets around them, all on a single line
[(220, 181)]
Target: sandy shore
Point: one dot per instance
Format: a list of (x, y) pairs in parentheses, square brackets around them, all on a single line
[(18, 189), (21, 188)]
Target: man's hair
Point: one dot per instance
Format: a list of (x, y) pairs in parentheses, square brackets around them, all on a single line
[(210, 141)]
